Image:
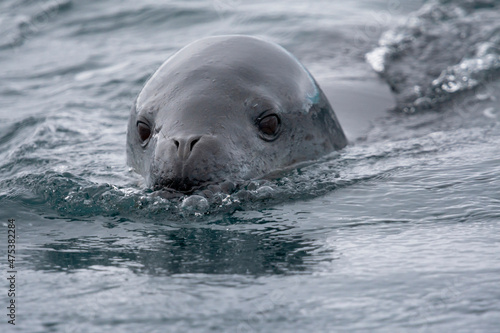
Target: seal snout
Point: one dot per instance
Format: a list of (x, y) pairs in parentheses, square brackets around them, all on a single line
[(186, 162), (185, 146), (179, 184)]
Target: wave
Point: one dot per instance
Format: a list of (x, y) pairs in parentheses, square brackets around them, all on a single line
[(29, 19), (446, 48)]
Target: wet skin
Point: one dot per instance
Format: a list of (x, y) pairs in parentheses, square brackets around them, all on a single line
[(228, 108)]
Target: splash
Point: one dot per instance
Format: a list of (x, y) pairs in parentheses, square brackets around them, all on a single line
[(440, 52)]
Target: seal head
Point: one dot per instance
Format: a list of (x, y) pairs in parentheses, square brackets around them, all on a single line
[(228, 108)]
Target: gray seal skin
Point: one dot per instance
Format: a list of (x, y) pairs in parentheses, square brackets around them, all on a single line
[(228, 108)]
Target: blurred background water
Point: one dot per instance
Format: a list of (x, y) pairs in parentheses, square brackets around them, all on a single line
[(400, 231)]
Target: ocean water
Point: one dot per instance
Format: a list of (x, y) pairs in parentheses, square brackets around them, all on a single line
[(399, 231)]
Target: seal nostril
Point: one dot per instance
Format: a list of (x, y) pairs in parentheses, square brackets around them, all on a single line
[(176, 144), (195, 141)]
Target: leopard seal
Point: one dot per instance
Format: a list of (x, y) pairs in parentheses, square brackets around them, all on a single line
[(228, 108)]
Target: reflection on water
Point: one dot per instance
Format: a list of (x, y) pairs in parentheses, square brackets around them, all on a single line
[(181, 250)]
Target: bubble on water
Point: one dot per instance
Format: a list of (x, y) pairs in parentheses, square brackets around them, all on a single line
[(195, 204), (265, 192)]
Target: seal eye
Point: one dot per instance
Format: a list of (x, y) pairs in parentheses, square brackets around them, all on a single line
[(144, 131), (269, 126)]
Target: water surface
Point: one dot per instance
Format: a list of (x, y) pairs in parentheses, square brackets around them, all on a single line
[(398, 232)]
